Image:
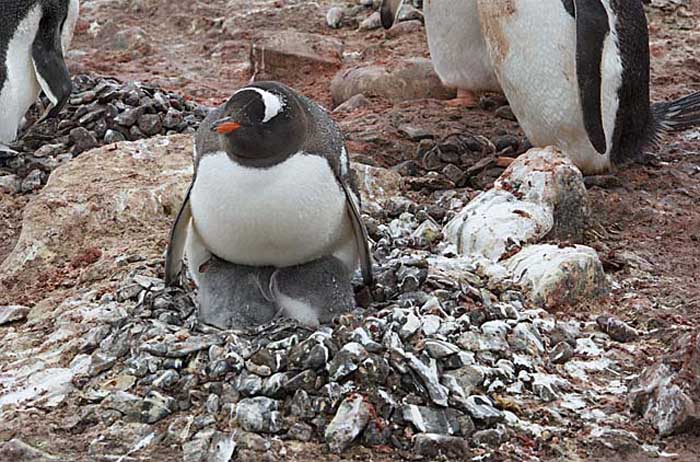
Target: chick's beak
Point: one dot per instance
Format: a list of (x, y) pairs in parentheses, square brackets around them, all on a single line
[(225, 126)]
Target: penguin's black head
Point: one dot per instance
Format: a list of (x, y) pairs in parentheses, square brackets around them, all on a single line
[(262, 124)]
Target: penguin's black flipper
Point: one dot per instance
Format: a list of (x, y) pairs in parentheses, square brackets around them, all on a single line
[(178, 237), (592, 28), (389, 10), (361, 235), (50, 68)]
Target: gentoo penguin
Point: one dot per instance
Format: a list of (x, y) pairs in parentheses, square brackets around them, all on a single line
[(457, 48), (34, 35), (272, 187), (576, 74)]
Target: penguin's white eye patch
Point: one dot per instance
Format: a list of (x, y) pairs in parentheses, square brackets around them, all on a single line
[(274, 104)]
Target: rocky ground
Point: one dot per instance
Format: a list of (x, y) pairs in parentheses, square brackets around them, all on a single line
[(461, 353)]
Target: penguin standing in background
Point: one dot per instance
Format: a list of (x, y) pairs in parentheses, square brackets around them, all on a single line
[(457, 48), (576, 74), (34, 35), (272, 188)]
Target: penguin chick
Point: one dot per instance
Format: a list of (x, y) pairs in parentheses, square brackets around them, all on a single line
[(313, 293), (234, 296)]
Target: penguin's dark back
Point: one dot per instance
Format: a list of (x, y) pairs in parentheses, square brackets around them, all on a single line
[(12, 12), (634, 125)]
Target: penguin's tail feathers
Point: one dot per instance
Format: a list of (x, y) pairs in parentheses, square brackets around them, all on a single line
[(678, 115)]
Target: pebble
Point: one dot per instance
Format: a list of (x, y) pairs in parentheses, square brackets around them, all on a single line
[(13, 313), (617, 330), (334, 17), (259, 414), (431, 420), (351, 418)]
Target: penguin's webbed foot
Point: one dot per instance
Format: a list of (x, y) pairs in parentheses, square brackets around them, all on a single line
[(465, 98)]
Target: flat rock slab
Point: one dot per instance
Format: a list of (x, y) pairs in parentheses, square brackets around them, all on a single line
[(110, 201), (409, 79), (284, 55)]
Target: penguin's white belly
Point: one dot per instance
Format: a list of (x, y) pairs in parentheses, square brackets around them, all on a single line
[(457, 47), (533, 50), (21, 86), (291, 213)]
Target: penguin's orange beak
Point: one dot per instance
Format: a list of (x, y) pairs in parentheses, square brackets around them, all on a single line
[(225, 126)]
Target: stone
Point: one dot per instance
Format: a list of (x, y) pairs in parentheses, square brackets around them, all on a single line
[(130, 116), (221, 448), (555, 275), (429, 376), (404, 28), (667, 394), (10, 183), (128, 404), (349, 421), (470, 378), (372, 22), (157, 406), (497, 223), (415, 133), (135, 190), (33, 181), (354, 103), (617, 330), (561, 353), (259, 415), (82, 139), (334, 17), (438, 349), (540, 194), (409, 79), (482, 410), (492, 437), (150, 124), (13, 313), (441, 446), (526, 338), (346, 361), (281, 55), (431, 420), (17, 450)]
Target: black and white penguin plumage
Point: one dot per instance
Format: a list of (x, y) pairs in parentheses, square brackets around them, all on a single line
[(576, 74), (457, 48), (34, 35), (272, 187)]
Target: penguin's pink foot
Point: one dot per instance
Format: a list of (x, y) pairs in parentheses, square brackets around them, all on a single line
[(465, 98)]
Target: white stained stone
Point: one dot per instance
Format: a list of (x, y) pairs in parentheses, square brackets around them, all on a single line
[(554, 275), (495, 220), (539, 193)]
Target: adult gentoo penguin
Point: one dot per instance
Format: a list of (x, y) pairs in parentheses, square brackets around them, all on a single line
[(272, 188), (576, 74), (457, 48), (34, 35)]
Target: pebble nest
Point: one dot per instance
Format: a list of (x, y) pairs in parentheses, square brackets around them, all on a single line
[(100, 111), (433, 364)]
